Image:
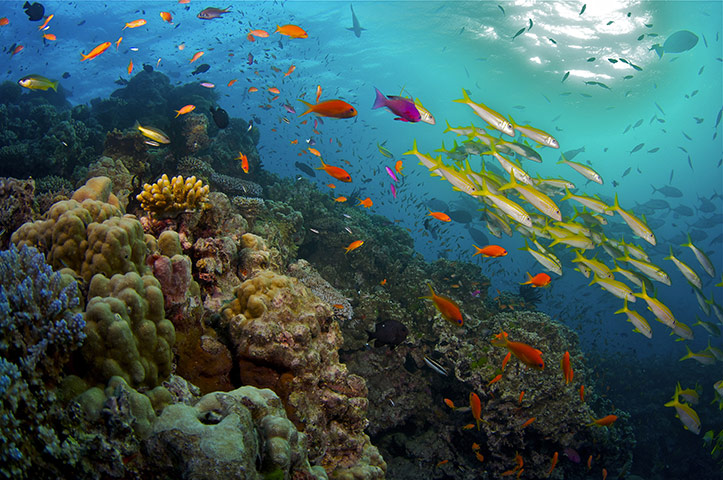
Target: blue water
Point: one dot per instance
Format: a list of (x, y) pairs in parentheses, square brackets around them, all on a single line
[(431, 51)]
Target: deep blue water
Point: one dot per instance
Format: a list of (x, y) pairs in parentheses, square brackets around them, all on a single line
[(431, 51)]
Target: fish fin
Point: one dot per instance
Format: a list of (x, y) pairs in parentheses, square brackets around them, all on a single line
[(309, 106), (380, 100)]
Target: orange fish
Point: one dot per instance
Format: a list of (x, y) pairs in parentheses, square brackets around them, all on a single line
[(505, 360), (18, 49), (120, 39), (525, 353), (290, 71), (475, 446), (340, 199), (182, 47), (259, 33), (95, 52), (383, 282), (336, 172), (185, 109), (399, 166), (552, 464), (469, 426), (495, 380), (231, 82), (338, 306), (253, 89), (589, 462), (566, 368), (135, 23), (442, 462), (539, 280), (604, 474), (195, 57), (479, 456), (50, 36), (318, 93), (476, 406), (4, 21), (528, 422), (47, 20), (354, 245), (443, 217), (250, 38), (130, 67), (490, 251), (449, 310), (519, 400), (314, 151), (330, 108), (331, 185), (582, 393), (274, 90), (184, 2), (244, 162), (449, 403), (366, 203), (291, 31), (167, 17), (604, 421)]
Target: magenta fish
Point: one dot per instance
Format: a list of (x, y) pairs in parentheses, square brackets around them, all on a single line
[(572, 454), (212, 12), (403, 108), (250, 59), (289, 108), (391, 174), (394, 190)]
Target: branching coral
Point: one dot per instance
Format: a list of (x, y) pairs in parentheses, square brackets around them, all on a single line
[(39, 328), (168, 198)]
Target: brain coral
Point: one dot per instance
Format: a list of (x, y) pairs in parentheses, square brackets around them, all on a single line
[(127, 333), (286, 339)]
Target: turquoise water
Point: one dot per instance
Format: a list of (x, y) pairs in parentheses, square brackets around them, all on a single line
[(432, 51)]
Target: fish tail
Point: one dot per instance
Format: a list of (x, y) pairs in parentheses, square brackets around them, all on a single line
[(310, 107), (323, 165), (380, 100), (431, 290), (465, 98), (85, 57), (54, 85)]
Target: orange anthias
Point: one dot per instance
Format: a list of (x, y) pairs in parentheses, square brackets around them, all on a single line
[(449, 310), (336, 172), (441, 216), (354, 245), (330, 108), (552, 463), (566, 368), (476, 406), (244, 162), (604, 421), (366, 203), (292, 31), (525, 353), (539, 280), (184, 110), (96, 51), (135, 24), (490, 251)]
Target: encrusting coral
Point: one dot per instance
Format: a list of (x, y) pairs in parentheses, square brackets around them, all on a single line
[(168, 198)]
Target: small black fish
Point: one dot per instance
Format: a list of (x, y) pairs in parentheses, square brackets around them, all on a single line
[(147, 68), (388, 332), (204, 67), (34, 11), (66, 75), (220, 117), (306, 169), (519, 32), (121, 81)]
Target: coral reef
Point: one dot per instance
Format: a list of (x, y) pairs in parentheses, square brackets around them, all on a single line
[(119, 176), (284, 338), (40, 326), (168, 198), (240, 434), (16, 206), (127, 332), (235, 186)]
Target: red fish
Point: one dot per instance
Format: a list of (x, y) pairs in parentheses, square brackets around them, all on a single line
[(539, 280), (552, 464), (449, 310), (292, 31), (336, 172), (525, 353), (604, 421), (505, 360), (17, 49), (441, 216), (528, 422), (244, 162), (566, 368), (476, 406), (490, 251), (330, 108), (582, 393), (495, 380)]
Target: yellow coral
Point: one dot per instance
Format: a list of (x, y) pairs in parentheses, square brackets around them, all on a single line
[(168, 198)]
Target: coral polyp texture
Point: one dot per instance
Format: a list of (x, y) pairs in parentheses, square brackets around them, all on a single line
[(168, 198), (286, 339), (128, 335)]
